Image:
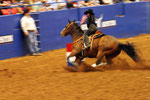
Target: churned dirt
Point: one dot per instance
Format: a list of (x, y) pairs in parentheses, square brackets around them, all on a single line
[(44, 77)]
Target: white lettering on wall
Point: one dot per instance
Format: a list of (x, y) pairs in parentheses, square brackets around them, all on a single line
[(84, 27), (109, 23), (6, 39), (101, 24)]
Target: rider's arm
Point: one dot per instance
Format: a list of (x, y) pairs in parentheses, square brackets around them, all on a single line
[(83, 20)]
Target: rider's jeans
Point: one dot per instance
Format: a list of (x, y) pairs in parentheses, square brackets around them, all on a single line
[(91, 30)]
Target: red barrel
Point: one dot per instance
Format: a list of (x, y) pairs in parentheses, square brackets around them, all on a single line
[(69, 50)]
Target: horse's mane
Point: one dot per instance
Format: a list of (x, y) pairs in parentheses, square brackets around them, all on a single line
[(79, 28)]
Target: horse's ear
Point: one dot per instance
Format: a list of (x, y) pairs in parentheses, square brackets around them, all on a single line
[(69, 21)]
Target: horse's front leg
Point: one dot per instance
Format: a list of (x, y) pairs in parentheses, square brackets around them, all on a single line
[(78, 60), (73, 54)]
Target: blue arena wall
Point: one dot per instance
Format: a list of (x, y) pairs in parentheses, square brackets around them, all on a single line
[(132, 19)]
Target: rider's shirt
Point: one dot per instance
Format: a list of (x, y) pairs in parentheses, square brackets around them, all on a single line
[(90, 20)]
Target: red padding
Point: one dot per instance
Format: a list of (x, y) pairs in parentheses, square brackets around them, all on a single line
[(69, 47)]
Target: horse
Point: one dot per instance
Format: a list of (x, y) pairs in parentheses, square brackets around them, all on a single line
[(104, 46)]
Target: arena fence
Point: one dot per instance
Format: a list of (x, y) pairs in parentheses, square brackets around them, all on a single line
[(120, 20)]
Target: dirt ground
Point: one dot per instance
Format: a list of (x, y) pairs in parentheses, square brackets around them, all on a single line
[(44, 78)]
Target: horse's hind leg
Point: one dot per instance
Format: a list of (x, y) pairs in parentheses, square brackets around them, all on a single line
[(109, 60), (100, 56), (111, 56)]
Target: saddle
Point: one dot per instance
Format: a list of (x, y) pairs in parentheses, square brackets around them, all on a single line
[(98, 34)]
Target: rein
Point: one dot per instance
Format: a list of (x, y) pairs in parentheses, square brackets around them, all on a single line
[(78, 40)]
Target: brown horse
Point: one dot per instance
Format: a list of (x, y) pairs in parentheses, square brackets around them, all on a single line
[(105, 46)]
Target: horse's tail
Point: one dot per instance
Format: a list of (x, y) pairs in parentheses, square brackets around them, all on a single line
[(130, 50)]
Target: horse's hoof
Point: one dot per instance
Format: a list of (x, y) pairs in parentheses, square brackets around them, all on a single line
[(93, 65), (101, 64)]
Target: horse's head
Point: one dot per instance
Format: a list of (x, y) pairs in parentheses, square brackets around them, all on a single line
[(68, 29)]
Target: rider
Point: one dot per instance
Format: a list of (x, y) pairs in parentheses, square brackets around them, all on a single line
[(92, 28)]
